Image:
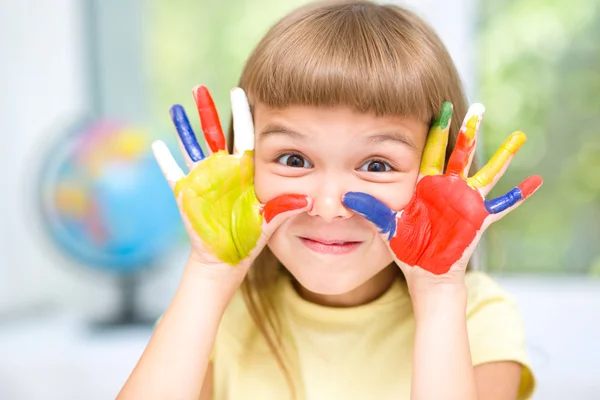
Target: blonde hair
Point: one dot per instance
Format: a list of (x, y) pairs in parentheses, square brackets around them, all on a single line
[(378, 59)]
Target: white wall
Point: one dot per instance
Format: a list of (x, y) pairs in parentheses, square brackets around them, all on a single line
[(41, 71), (454, 22)]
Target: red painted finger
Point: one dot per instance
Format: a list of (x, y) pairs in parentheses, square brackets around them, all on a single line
[(283, 203), (462, 155), (530, 185), (209, 118), (521, 192)]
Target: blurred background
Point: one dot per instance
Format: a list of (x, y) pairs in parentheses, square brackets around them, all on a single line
[(91, 248)]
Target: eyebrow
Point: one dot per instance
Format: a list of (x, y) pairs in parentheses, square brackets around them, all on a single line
[(398, 137), (273, 130)]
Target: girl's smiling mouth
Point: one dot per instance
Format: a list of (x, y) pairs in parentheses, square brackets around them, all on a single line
[(330, 246)]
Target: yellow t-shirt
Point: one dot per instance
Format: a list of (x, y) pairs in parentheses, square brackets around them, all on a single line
[(362, 352)]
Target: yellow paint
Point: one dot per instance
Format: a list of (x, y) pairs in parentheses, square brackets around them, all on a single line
[(434, 154), (471, 127), (488, 173), (218, 198)]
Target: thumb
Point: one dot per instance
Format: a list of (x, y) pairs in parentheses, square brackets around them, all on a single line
[(373, 210), (167, 163), (279, 210)]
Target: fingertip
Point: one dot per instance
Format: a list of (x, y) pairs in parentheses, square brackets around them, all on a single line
[(476, 109), (177, 114), (285, 203), (169, 167), (237, 91), (372, 209), (199, 90), (239, 99), (445, 116), (530, 185), (158, 145), (521, 135)]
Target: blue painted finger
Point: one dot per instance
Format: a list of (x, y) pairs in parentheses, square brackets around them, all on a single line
[(372, 209), (186, 133), (501, 203)]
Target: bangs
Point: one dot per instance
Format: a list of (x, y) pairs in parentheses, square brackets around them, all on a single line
[(366, 57)]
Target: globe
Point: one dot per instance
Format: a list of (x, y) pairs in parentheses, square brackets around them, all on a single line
[(104, 200)]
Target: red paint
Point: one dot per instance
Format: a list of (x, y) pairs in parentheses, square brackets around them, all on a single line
[(530, 185), (209, 118), (460, 156), (283, 203), (439, 223)]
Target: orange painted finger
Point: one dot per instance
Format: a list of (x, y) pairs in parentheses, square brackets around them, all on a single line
[(462, 156), (209, 118)]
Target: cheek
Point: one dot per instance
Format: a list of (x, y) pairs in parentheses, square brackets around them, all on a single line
[(269, 185), (395, 195)]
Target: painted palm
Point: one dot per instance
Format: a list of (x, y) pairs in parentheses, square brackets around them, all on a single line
[(217, 197), (447, 214)]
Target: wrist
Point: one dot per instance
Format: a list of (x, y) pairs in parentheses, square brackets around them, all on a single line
[(214, 283), (441, 300)]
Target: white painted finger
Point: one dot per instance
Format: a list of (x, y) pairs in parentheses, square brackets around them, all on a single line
[(166, 162), (243, 127)]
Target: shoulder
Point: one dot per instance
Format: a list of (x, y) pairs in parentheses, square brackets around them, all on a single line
[(483, 290), (491, 311), (495, 326)]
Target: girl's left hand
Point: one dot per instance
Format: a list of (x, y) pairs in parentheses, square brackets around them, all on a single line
[(434, 236)]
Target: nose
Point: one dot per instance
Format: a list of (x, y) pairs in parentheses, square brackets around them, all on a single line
[(328, 201)]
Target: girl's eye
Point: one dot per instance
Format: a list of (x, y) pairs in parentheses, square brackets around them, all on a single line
[(375, 166), (294, 161)]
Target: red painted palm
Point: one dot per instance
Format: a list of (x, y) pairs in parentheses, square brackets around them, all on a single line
[(447, 214)]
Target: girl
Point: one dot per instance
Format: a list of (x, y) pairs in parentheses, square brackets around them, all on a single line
[(348, 230)]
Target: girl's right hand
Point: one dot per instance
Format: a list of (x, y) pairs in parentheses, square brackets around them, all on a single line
[(227, 225)]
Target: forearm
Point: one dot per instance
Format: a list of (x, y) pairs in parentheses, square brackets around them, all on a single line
[(174, 363), (442, 366)]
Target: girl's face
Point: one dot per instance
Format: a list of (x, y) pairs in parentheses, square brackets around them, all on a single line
[(324, 153)]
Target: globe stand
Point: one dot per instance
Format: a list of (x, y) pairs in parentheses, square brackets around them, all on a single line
[(127, 314)]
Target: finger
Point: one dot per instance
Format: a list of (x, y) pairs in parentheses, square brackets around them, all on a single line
[(488, 176), (186, 157), (167, 163), (462, 155), (275, 213), (283, 203), (372, 209), (192, 151), (209, 119), (243, 127), (434, 155), (502, 205), (280, 209)]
